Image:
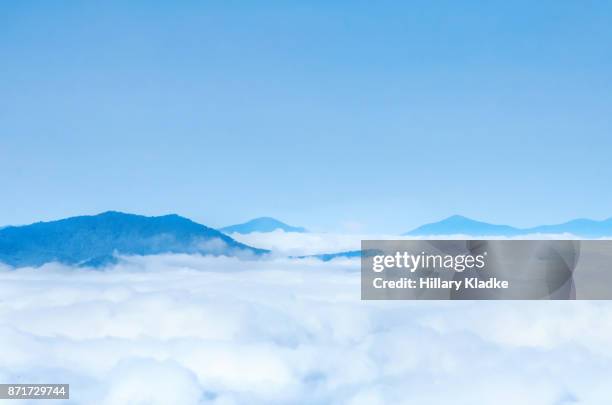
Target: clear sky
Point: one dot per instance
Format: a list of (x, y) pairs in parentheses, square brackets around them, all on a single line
[(373, 116)]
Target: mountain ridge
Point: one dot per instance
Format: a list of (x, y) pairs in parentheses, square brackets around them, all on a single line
[(97, 239), (261, 224), (460, 225)]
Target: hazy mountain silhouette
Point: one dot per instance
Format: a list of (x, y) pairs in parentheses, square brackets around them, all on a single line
[(457, 224), (582, 227), (263, 224), (95, 240)]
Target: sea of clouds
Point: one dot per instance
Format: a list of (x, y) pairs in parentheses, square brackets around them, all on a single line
[(181, 329), (311, 243)]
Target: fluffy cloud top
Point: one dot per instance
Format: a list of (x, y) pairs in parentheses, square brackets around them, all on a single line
[(180, 329), (297, 244)]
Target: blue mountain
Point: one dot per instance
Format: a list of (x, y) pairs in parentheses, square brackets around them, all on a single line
[(458, 224), (96, 240), (263, 224), (587, 228)]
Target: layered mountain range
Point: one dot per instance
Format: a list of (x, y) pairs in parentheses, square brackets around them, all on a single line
[(97, 240), (460, 225)]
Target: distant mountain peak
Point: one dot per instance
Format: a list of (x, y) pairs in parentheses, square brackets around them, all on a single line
[(269, 220), (458, 217), (461, 225), (261, 224)]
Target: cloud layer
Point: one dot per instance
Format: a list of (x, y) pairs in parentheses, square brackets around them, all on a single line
[(196, 330)]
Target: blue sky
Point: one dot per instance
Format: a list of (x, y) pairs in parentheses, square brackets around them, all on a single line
[(330, 115)]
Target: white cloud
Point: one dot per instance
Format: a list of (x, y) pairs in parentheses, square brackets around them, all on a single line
[(225, 331), (297, 244)]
